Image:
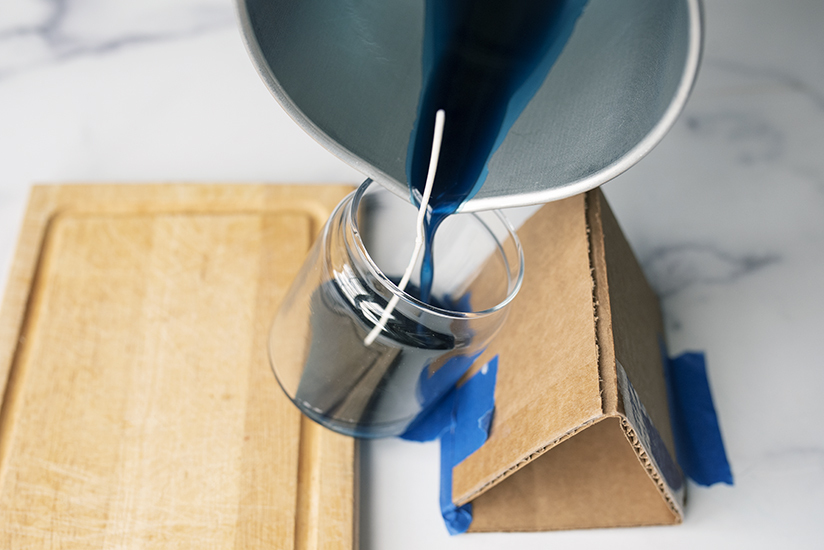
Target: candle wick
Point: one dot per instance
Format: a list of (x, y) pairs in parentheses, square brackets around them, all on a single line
[(440, 118)]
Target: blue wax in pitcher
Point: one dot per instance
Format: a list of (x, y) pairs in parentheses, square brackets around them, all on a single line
[(483, 60)]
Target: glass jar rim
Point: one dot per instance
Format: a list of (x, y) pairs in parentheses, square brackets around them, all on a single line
[(351, 209)]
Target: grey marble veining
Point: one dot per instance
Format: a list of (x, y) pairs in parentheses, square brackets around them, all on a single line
[(43, 32), (675, 268), (726, 216), (769, 74), (751, 138)]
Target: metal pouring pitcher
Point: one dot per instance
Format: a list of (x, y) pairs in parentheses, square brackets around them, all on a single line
[(349, 72)]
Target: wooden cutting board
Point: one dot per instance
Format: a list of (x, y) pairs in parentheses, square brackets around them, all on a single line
[(138, 406)]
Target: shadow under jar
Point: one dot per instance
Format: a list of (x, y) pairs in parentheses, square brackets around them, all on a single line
[(316, 344)]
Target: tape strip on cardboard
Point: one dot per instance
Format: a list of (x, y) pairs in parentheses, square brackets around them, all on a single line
[(651, 440), (461, 420)]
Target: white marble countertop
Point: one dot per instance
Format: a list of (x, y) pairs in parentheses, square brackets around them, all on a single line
[(726, 215)]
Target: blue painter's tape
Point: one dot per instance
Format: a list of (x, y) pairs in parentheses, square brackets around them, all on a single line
[(430, 388), (461, 420), (435, 423), (471, 418), (698, 441), (456, 518), (473, 415), (434, 420)]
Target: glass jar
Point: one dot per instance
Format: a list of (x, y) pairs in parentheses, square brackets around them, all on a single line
[(316, 344)]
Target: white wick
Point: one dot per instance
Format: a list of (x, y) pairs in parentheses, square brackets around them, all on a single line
[(440, 117)]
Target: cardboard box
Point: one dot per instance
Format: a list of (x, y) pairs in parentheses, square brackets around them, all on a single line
[(581, 435)]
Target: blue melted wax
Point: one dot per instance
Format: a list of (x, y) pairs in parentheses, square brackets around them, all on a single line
[(483, 60)]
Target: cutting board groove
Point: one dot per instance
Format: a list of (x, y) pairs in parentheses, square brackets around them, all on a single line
[(138, 406)]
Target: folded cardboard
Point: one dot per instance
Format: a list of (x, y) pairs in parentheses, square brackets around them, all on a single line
[(581, 434)]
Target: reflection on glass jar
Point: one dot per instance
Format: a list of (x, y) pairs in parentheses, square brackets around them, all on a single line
[(316, 344)]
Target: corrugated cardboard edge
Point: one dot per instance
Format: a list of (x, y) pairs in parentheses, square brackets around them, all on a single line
[(649, 447), (620, 398), (529, 459), (592, 480), (545, 392)]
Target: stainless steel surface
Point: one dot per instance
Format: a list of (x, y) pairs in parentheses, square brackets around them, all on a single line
[(349, 72)]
